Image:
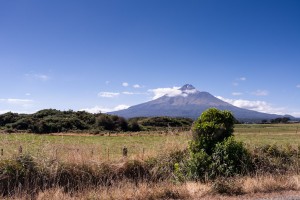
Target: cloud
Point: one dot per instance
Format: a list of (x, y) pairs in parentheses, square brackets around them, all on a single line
[(261, 93), (27, 94), (98, 109), (125, 84), (295, 114), (134, 93), (236, 82), (171, 92), (18, 102), (260, 106), (121, 107), (17, 111), (108, 94), (159, 92), (41, 77), (128, 93), (237, 93), (136, 86), (4, 111), (107, 82), (298, 86), (16, 105)]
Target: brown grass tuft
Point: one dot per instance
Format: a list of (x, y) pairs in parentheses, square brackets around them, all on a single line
[(271, 183)]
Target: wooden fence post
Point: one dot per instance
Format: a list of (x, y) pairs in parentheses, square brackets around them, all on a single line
[(125, 151), (56, 150), (92, 152), (20, 150), (143, 153), (108, 153)]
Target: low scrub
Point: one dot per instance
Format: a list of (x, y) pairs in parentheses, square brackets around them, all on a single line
[(25, 174)]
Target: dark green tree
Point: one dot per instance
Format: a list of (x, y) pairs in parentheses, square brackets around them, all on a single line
[(213, 150), (211, 127)]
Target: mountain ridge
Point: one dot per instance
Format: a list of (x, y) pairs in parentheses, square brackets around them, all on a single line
[(190, 103)]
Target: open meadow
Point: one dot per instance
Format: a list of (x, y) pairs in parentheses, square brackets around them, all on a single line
[(142, 145), (86, 166)]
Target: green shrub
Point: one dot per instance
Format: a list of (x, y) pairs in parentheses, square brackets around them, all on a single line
[(211, 127), (213, 150), (163, 167), (198, 165), (134, 126), (230, 158)]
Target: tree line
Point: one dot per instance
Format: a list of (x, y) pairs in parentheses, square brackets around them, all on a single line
[(55, 121)]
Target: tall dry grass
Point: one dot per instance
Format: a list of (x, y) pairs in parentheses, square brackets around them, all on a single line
[(260, 187)]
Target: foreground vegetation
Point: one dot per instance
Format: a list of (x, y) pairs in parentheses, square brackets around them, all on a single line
[(274, 169), (159, 165)]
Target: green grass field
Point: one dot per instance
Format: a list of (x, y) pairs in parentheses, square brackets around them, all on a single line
[(101, 148), (261, 134), (91, 147)]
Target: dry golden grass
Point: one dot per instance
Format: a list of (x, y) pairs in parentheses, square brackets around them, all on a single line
[(271, 183), (253, 187)]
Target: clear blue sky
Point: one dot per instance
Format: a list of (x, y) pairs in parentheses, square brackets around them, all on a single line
[(106, 55)]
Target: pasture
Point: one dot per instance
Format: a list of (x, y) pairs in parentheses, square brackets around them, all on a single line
[(85, 166), (99, 148)]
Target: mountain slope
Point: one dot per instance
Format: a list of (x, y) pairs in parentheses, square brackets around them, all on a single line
[(189, 103)]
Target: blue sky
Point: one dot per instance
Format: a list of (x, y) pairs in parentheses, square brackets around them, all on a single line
[(106, 55)]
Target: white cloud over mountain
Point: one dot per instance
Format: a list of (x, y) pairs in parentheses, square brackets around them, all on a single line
[(171, 92), (159, 92), (260, 106), (98, 109)]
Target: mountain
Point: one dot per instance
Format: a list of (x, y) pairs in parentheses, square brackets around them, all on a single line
[(189, 102)]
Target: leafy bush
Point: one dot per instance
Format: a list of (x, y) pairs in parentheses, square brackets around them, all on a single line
[(213, 150), (166, 121), (8, 118), (163, 167), (134, 126), (230, 158), (199, 165), (211, 127)]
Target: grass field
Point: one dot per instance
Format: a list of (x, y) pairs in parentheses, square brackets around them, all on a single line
[(261, 134), (102, 148), (92, 147), (81, 149)]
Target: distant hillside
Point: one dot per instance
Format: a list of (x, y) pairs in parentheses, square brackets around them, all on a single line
[(190, 104)]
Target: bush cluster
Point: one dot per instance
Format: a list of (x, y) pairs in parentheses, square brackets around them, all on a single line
[(213, 150), (165, 122), (54, 121)]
